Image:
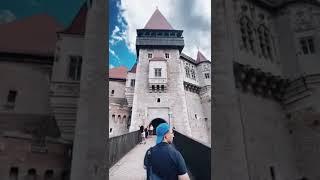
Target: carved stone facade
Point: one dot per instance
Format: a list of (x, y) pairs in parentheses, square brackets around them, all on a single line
[(267, 77)]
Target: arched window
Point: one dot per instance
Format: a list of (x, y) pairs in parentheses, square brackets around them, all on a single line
[(162, 87), (119, 118), (158, 100), (265, 41), (247, 36), (114, 118), (14, 173), (124, 118), (158, 87), (32, 174), (48, 175)]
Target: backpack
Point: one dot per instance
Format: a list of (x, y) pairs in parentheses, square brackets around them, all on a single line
[(150, 174)]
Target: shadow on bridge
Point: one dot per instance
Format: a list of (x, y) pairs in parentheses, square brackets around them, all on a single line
[(126, 156)]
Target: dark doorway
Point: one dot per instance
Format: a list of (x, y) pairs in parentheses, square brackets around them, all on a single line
[(155, 123)]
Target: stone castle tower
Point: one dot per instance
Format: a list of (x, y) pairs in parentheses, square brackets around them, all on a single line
[(89, 149), (161, 90)]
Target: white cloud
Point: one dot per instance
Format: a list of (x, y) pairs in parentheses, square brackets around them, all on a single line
[(117, 36), (191, 16), (114, 54), (6, 16)]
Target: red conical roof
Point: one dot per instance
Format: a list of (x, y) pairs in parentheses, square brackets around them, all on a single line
[(158, 21), (200, 57), (78, 25)]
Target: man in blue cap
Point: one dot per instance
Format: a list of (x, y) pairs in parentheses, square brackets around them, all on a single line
[(163, 160)]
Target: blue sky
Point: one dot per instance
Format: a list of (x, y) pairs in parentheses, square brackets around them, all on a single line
[(119, 54)]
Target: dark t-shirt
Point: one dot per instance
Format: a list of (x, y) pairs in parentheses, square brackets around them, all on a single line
[(167, 162)]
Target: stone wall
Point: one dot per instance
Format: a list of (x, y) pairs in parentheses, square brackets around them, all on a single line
[(172, 99), (16, 152), (30, 81), (266, 138)]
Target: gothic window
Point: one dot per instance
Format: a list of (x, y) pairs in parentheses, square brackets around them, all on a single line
[(149, 55), (119, 118), (307, 45), (265, 41), (114, 118), (158, 100), (110, 131), (153, 88), (157, 72), (13, 174), (75, 68), (272, 173), (32, 174), (187, 72), (133, 82), (207, 75), (158, 87), (112, 92), (247, 37), (167, 55), (162, 87), (193, 74), (48, 175), (124, 118)]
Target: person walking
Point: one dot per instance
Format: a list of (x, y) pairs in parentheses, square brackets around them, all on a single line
[(151, 129), (146, 132), (164, 161)]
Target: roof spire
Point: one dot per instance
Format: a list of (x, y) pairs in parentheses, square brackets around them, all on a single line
[(158, 21), (201, 57)]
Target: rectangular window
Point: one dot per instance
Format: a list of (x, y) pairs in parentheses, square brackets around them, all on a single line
[(307, 45), (149, 55), (11, 99), (75, 68), (157, 72), (167, 55), (132, 82), (207, 75)]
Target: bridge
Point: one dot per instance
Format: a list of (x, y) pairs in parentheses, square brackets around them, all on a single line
[(126, 156)]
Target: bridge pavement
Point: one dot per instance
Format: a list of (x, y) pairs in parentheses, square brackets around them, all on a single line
[(130, 167)]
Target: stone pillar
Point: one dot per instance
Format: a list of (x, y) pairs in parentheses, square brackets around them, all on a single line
[(229, 154), (89, 149)]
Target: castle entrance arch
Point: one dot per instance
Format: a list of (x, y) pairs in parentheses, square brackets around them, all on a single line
[(155, 123)]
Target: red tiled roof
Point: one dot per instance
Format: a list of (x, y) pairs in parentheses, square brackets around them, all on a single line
[(78, 25), (158, 21), (134, 68), (32, 35), (118, 72), (200, 57)]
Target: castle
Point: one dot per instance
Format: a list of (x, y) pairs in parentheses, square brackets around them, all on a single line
[(165, 85)]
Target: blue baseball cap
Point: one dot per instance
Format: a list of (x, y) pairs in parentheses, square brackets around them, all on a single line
[(161, 130)]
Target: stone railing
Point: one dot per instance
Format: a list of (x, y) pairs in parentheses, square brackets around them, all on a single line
[(121, 145), (196, 155), (157, 80)]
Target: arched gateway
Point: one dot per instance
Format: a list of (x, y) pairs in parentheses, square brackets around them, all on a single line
[(155, 123)]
